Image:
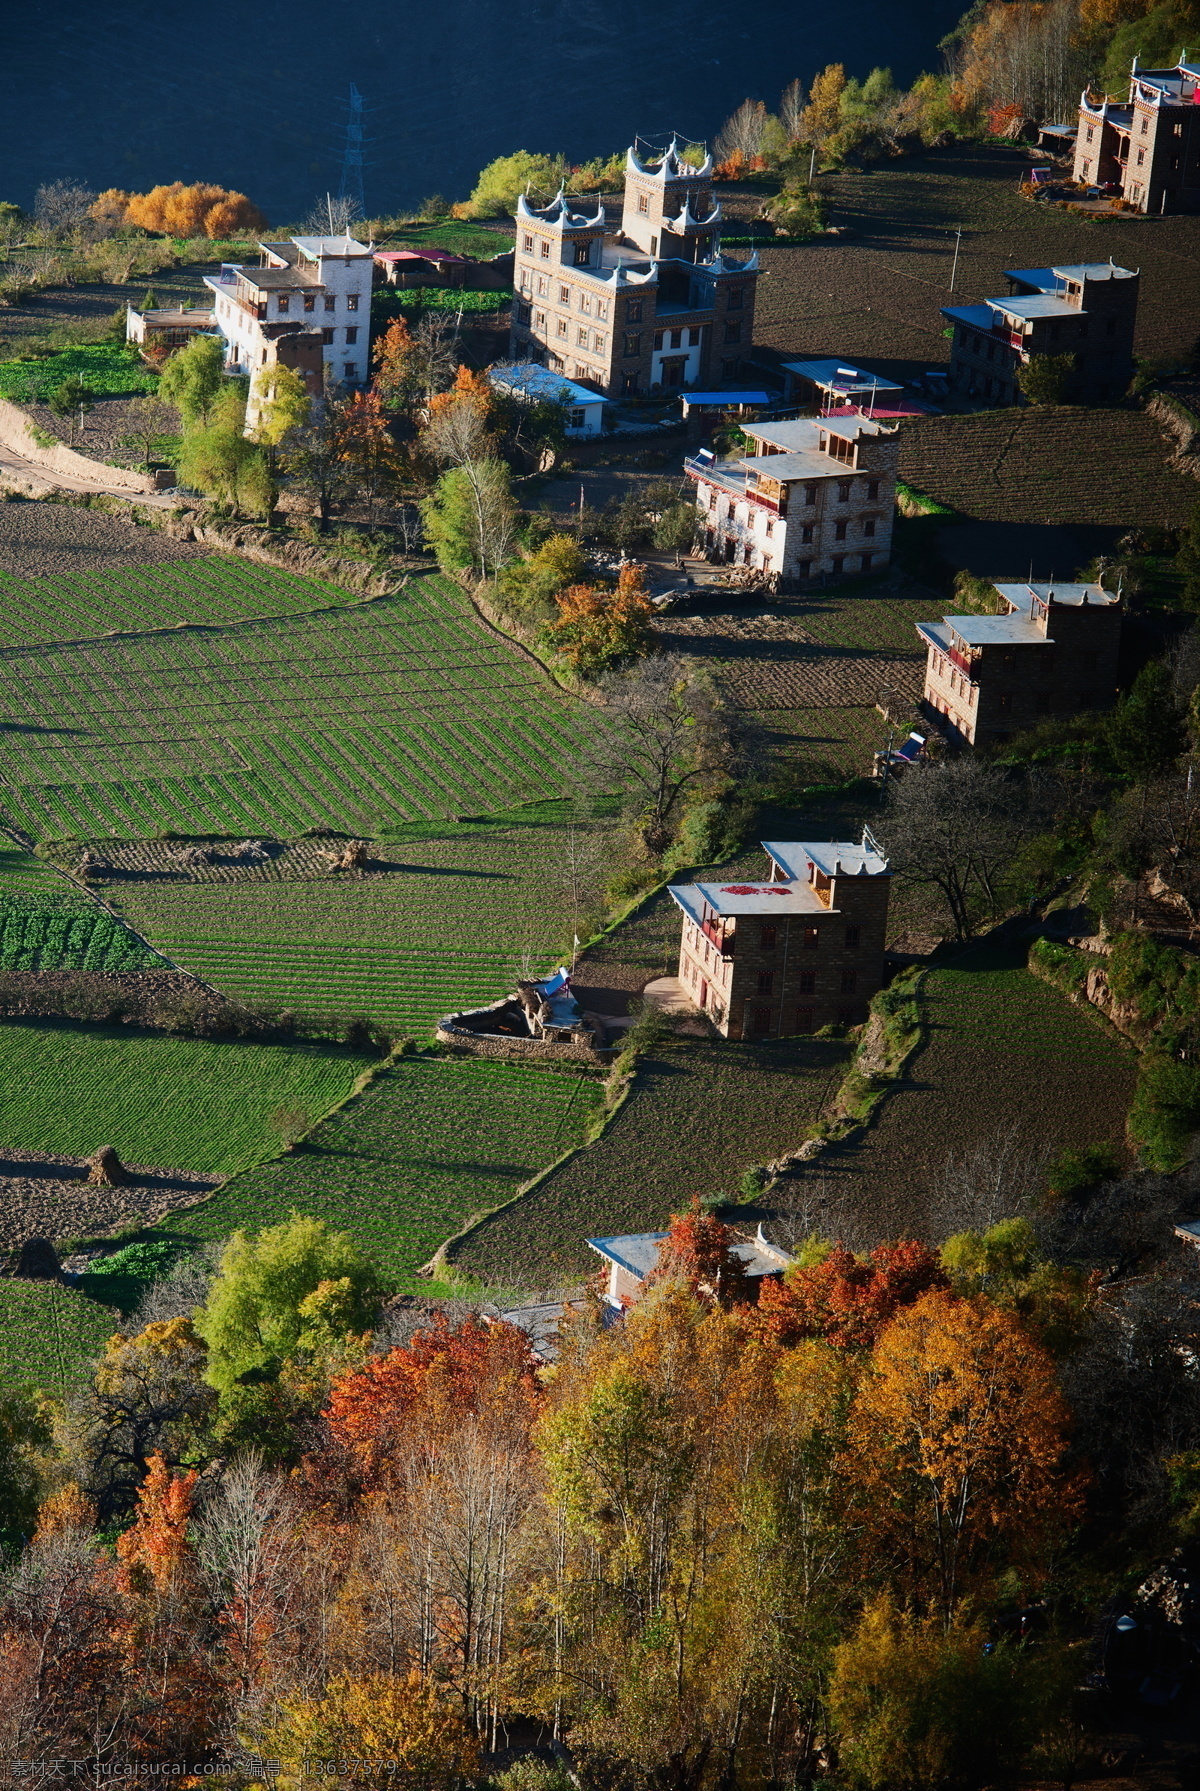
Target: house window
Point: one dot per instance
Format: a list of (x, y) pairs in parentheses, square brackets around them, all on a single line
[(770, 528), (352, 335), (578, 419), (733, 332), (583, 254), (810, 494), (524, 314), (676, 338), (1141, 156), (869, 527), (1089, 133), (581, 338), (327, 337), (582, 372), (865, 562), (564, 295), (804, 569), (527, 242), (760, 1019), (1087, 170), (853, 935), (766, 938), (543, 286), (545, 251), (633, 310), (808, 982), (765, 979), (872, 490), (694, 338), (599, 343), (310, 301), (654, 245), (843, 496), (804, 1019), (352, 301), (541, 320), (840, 531), (330, 304), (643, 204), (839, 564), (602, 310), (633, 342), (808, 938), (629, 385), (849, 981), (1145, 126), (1005, 703), (283, 302), (658, 338), (736, 299)]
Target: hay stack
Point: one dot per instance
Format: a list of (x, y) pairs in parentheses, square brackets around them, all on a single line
[(194, 856), (92, 865), (252, 851), (354, 856), (105, 1169), (38, 1261)]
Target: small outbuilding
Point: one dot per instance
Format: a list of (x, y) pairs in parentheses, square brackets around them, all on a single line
[(633, 1258), (537, 385)]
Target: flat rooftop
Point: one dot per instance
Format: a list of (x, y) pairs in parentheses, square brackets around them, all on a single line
[(728, 900), (841, 376), (1076, 596), (1038, 305), (534, 381), (982, 631), (845, 858), (1050, 279), (980, 317), (637, 1253)]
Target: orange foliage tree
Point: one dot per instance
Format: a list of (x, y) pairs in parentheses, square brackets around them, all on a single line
[(442, 1371), (596, 628), (699, 1250), (956, 1438), (848, 1299), (197, 210)]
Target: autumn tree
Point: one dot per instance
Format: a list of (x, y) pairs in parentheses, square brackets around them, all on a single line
[(413, 366), (470, 517), (822, 116), (367, 1734), (597, 628), (527, 587), (196, 210), (957, 1438), (502, 181), (848, 1299), (698, 1250), (320, 452), (246, 1544), (458, 429), (371, 453), (281, 402)]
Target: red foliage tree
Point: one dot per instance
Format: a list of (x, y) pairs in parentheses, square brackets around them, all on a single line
[(699, 1249), (443, 1372), (848, 1299)]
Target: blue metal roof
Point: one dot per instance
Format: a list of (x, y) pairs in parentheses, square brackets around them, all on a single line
[(727, 397)]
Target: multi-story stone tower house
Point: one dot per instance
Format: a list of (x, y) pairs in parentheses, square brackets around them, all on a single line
[(1150, 145), (800, 950), (317, 287), (1054, 653), (815, 499), (1088, 310), (650, 305)]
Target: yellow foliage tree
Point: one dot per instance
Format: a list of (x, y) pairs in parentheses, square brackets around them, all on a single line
[(956, 1440), (197, 210), (370, 1734)]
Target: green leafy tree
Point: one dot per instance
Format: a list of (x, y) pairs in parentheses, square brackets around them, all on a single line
[(281, 401), (1045, 378), (296, 1288), (192, 379), (527, 588), (72, 399), (501, 181), (219, 459), (23, 1433), (1147, 730), (470, 517)]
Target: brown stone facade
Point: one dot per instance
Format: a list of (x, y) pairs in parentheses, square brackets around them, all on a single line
[(774, 971), (1148, 145), (649, 304), (1088, 311)]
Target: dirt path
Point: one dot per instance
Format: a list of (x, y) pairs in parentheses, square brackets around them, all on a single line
[(15, 465)]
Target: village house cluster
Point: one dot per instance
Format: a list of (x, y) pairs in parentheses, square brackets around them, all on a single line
[(1088, 311)]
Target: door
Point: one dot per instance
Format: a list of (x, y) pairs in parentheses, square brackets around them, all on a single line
[(703, 993), (760, 1020)]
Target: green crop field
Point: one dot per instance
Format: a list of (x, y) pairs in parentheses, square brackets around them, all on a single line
[(359, 717), (108, 370), (48, 1333), (48, 923), (1008, 1057), (168, 1103), (448, 921), (427, 1145), (212, 591), (699, 1116)]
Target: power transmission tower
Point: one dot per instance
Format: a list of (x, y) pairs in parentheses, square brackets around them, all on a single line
[(351, 185)]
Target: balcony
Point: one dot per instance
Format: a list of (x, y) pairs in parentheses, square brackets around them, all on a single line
[(715, 934), (961, 662)]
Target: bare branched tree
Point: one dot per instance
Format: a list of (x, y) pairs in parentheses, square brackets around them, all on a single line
[(742, 132), (955, 826), (244, 1545), (792, 102), (996, 1178), (63, 208), (332, 214)]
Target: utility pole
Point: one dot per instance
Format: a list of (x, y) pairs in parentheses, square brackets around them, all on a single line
[(954, 269), (812, 163), (351, 184)]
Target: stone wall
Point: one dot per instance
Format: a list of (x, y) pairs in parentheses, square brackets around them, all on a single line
[(493, 1044), (15, 432)]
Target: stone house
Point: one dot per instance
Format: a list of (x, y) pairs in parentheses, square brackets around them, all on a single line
[(633, 1258), (816, 499), (172, 325), (1055, 652), (1088, 310), (1149, 145), (317, 287), (801, 950), (644, 305)]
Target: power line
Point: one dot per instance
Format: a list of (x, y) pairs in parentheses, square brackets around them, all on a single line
[(351, 183)]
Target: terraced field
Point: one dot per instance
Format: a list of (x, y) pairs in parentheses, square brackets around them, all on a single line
[(47, 923), (700, 1115), (1052, 1076), (1040, 466), (357, 717), (133, 599), (173, 1103), (447, 919), (430, 1143), (48, 1334)]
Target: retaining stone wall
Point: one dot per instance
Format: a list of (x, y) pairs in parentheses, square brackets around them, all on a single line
[(14, 429)]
